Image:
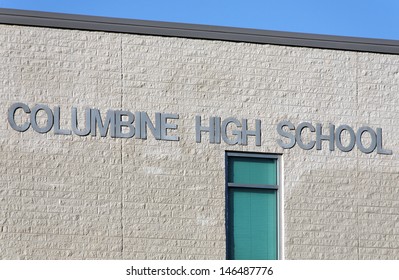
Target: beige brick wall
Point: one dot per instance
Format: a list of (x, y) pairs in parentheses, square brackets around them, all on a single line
[(71, 197)]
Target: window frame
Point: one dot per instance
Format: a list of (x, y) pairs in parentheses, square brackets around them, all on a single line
[(277, 187)]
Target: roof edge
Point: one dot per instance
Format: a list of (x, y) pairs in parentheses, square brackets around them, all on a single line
[(195, 31)]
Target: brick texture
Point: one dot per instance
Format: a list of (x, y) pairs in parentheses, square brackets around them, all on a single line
[(71, 197)]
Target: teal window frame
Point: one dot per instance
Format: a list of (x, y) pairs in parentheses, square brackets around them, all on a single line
[(229, 185)]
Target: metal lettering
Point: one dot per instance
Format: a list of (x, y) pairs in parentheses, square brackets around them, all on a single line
[(199, 128), (286, 134), (57, 129), (74, 120), (380, 149), (321, 137), (246, 132), (120, 124), (237, 133), (359, 142), (96, 121), (138, 124), (146, 122), (11, 116), (124, 124), (298, 135), (165, 126), (33, 118), (338, 139), (218, 135)]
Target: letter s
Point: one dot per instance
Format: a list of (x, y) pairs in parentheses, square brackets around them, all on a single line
[(286, 134)]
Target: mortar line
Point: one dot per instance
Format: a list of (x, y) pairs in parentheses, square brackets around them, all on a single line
[(357, 158), (121, 155)]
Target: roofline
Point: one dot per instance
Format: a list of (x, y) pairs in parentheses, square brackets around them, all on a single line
[(195, 31)]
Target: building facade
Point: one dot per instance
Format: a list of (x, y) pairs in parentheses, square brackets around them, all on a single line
[(124, 139)]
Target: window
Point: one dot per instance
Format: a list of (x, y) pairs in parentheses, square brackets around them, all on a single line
[(252, 206)]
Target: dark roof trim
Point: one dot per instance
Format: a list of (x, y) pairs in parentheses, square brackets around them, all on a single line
[(143, 27)]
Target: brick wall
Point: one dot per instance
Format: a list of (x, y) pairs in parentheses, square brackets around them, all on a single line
[(71, 197)]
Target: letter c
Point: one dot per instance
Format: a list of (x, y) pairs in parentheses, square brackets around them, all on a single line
[(11, 114), (298, 134)]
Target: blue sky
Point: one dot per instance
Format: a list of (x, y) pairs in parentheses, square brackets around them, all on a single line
[(367, 18)]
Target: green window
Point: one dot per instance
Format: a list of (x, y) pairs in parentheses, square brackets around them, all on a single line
[(252, 206)]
